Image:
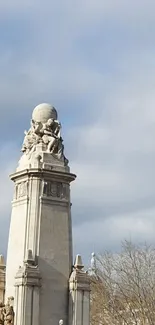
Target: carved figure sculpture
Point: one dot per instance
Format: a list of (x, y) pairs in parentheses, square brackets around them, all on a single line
[(48, 133), (32, 137), (51, 134), (9, 315), (9, 312), (2, 315)]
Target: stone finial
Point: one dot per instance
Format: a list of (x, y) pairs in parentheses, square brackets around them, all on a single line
[(61, 322), (79, 289), (78, 262), (2, 278), (2, 262), (29, 257)]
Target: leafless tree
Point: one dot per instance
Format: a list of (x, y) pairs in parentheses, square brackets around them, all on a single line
[(123, 293)]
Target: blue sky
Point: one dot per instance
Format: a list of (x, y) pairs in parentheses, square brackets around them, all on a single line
[(95, 62)]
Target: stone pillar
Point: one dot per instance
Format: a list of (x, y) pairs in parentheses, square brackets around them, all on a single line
[(79, 285), (41, 221), (27, 287), (2, 279), (43, 217)]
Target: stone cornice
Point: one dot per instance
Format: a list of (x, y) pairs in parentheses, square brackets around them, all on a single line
[(42, 174), (28, 276), (79, 280)]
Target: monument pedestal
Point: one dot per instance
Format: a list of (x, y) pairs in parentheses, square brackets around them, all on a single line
[(41, 224), (27, 291)]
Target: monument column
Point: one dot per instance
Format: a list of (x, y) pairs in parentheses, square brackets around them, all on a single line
[(27, 284), (41, 222), (2, 279), (79, 285)]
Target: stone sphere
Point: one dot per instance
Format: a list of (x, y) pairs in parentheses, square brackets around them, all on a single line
[(43, 112)]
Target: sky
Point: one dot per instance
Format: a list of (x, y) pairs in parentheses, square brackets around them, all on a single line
[(93, 60)]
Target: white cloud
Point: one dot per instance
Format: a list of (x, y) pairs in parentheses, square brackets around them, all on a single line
[(114, 159), (107, 234)]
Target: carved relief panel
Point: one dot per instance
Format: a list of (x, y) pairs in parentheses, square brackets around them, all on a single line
[(21, 190), (55, 189)]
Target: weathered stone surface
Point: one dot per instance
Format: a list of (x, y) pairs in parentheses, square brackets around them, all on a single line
[(43, 112), (7, 312), (2, 279), (79, 286), (44, 133), (27, 291), (41, 223)]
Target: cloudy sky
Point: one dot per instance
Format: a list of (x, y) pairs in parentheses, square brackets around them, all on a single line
[(94, 60)]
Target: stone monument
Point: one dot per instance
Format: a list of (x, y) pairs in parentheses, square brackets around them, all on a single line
[(47, 289)]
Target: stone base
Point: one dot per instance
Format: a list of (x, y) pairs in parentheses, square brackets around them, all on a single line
[(42, 159)]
